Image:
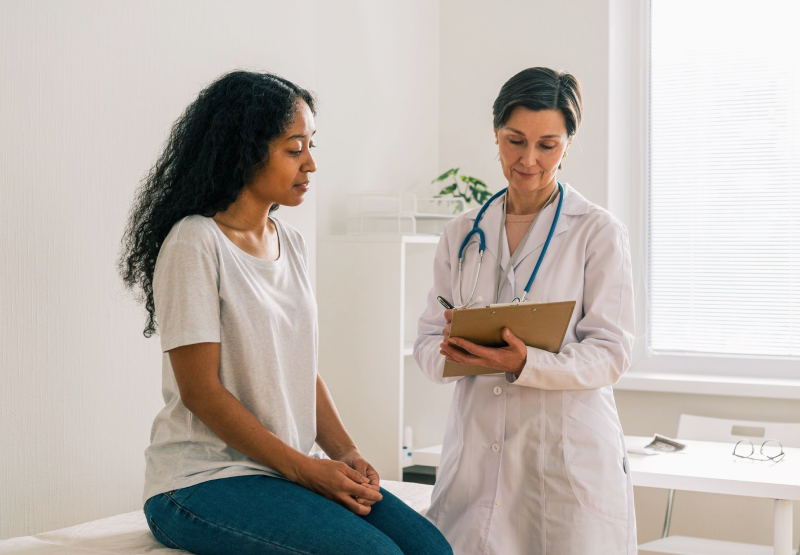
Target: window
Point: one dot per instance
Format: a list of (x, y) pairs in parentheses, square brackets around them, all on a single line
[(724, 188)]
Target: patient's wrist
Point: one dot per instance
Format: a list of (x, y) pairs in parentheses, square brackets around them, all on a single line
[(342, 452), (296, 466)]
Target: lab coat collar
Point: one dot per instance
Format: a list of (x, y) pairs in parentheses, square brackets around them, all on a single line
[(574, 205)]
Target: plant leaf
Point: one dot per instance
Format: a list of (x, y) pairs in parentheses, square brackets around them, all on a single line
[(445, 175), (447, 190)]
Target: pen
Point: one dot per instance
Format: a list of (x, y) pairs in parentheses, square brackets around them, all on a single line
[(444, 302)]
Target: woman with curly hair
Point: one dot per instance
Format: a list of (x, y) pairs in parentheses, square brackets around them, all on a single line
[(225, 283)]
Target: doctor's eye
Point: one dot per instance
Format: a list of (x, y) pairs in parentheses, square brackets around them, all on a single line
[(513, 142), (547, 147)]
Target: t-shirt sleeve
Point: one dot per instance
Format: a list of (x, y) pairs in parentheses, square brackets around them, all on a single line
[(186, 294)]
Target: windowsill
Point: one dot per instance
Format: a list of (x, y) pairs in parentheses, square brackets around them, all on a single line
[(730, 386)]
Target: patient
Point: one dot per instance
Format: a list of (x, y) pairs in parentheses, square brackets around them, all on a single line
[(226, 285)]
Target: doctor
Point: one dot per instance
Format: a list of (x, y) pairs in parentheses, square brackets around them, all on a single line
[(533, 458)]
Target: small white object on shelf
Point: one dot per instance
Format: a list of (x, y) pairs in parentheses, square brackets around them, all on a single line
[(400, 213)]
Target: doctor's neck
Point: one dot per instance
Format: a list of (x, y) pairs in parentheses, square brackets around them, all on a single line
[(528, 202)]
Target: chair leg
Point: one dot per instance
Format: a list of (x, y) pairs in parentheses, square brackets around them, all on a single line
[(668, 517)]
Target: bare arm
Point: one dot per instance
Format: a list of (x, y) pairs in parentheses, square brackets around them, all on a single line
[(196, 369), (334, 439)]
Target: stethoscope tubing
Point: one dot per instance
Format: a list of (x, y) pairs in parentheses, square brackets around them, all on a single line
[(476, 230)]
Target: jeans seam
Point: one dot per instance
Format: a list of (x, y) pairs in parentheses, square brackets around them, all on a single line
[(213, 524), (160, 531)]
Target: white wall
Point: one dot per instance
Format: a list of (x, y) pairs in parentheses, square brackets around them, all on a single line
[(483, 44), (88, 91), (378, 81)]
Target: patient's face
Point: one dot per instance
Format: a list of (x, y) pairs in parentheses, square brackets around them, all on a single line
[(531, 145), (285, 178)]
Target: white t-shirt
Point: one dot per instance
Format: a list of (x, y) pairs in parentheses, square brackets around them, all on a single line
[(264, 316)]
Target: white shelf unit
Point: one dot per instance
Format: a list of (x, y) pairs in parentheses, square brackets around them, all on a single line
[(399, 213), (371, 290)]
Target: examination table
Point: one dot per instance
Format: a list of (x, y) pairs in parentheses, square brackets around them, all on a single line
[(128, 534)]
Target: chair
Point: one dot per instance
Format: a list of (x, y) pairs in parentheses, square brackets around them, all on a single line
[(702, 428)]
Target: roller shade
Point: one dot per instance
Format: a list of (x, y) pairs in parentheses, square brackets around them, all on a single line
[(724, 188)]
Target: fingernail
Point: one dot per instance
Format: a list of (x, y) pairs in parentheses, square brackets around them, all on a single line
[(454, 342)]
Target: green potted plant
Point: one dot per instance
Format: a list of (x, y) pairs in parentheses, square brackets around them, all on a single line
[(473, 188)]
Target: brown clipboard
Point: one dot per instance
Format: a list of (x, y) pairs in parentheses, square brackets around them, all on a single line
[(539, 325)]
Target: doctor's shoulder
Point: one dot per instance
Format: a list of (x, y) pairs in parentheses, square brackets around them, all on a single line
[(456, 229), (599, 223)]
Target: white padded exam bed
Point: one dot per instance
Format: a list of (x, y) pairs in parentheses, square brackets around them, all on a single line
[(128, 534)]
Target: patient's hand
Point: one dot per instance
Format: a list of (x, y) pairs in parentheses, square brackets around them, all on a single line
[(339, 482), (354, 460)]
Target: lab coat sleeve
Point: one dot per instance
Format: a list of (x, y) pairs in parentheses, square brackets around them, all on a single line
[(431, 323), (606, 331)]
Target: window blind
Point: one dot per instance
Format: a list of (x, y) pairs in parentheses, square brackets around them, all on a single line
[(724, 188)]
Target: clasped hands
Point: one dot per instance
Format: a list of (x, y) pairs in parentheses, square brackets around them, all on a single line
[(510, 358), (349, 480)]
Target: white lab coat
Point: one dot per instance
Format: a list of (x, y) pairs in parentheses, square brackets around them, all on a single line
[(537, 464)]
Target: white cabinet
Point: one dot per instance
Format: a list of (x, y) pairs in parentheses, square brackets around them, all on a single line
[(371, 291)]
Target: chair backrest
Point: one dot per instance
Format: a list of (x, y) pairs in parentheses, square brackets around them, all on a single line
[(703, 428)]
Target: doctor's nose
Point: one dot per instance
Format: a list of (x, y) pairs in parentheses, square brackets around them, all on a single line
[(528, 158)]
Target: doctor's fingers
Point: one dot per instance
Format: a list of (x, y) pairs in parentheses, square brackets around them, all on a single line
[(462, 357), (448, 349), (446, 356), (477, 350)]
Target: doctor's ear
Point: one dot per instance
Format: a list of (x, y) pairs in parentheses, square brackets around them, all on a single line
[(566, 152)]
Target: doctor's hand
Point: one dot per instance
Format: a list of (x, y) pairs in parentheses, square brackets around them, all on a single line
[(340, 483), (448, 316), (510, 358)]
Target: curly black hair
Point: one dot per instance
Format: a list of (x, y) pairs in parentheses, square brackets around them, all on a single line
[(214, 150)]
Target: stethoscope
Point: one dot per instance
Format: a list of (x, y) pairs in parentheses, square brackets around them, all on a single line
[(476, 230)]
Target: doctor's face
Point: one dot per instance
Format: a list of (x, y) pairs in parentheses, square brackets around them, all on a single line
[(532, 144)]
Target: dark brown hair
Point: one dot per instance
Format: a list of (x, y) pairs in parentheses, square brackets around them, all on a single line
[(541, 88)]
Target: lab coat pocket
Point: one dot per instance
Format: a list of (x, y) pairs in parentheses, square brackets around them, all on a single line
[(594, 456)]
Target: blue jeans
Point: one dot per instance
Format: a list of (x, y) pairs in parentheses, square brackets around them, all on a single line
[(265, 515)]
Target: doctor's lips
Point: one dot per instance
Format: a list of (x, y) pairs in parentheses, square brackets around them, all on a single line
[(303, 186), (523, 174)]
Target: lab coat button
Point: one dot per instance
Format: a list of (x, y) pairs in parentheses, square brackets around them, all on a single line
[(498, 390), (495, 447), (497, 503)]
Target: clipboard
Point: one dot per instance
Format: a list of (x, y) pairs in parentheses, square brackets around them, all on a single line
[(539, 325)]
